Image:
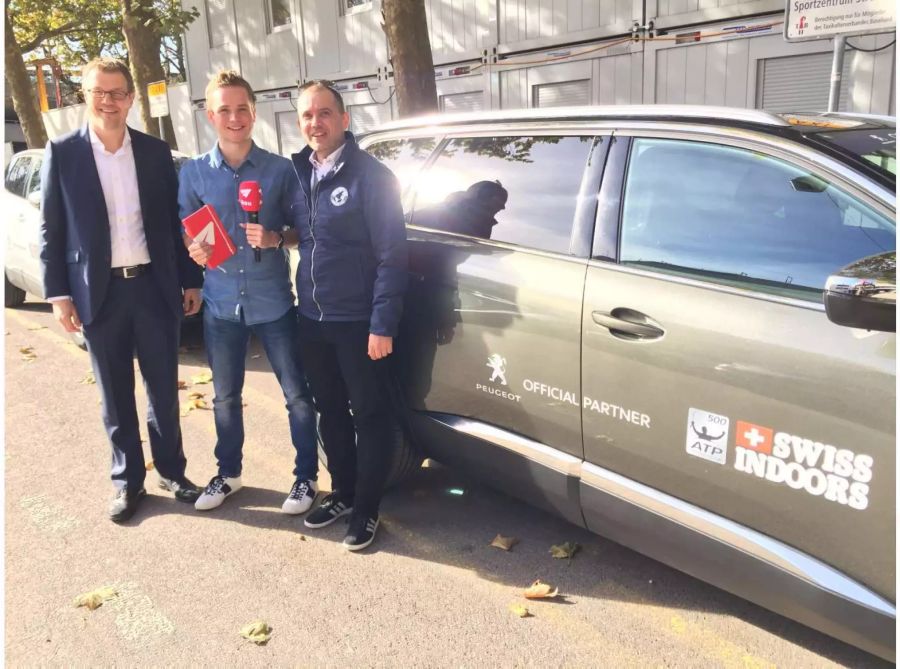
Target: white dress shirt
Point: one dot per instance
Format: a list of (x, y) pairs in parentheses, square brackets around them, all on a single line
[(118, 178), (323, 168)]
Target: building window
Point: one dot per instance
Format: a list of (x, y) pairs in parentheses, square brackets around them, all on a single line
[(217, 22), (355, 6), (278, 14)]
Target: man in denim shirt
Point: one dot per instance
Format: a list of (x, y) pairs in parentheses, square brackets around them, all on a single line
[(244, 295)]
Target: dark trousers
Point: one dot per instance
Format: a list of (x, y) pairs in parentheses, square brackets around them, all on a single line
[(342, 378), (134, 319)]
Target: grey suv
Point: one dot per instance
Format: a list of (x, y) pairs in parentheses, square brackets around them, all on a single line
[(621, 315)]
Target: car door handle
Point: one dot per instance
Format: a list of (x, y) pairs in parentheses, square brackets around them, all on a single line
[(628, 324)]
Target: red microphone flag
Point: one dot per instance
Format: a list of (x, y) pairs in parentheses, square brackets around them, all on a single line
[(249, 196)]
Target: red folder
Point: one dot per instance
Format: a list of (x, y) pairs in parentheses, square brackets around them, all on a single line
[(204, 226)]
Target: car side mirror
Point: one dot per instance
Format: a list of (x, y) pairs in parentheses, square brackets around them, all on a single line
[(34, 198), (864, 294)]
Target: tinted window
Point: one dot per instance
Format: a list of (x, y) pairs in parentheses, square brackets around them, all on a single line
[(535, 179), (34, 182), (876, 145), (405, 157), (742, 218), (17, 175)]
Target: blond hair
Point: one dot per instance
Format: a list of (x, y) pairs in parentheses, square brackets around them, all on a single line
[(226, 78)]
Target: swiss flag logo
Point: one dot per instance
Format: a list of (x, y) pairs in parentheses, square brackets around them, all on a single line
[(754, 437)]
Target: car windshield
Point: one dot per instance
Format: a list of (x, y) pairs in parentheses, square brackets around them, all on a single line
[(876, 145), (868, 139)]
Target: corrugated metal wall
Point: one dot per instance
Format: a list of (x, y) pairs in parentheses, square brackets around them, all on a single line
[(539, 61)]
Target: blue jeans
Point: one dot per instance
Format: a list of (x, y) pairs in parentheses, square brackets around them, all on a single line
[(226, 349)]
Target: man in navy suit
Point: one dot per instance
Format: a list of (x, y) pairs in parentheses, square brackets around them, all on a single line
[(114, 265)]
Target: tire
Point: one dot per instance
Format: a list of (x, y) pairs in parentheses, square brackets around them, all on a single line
[(13, 295), (405, 457)]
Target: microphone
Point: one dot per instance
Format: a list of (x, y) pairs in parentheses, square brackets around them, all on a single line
[(250, 198)]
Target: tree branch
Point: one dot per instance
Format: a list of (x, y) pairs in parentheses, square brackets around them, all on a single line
[(42, 37)]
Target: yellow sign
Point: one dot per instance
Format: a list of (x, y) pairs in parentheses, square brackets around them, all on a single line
[(159, 99), (156, 88)]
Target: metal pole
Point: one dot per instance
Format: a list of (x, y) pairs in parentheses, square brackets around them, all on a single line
[(837, 68), (162, 129)]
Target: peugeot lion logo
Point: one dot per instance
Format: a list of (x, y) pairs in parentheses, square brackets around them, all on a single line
[(497, 363)]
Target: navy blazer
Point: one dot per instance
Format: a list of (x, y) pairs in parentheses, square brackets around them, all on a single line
[(75, 236)]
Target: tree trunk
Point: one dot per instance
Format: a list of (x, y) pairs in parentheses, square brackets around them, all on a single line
[(407, 34), (143, 42), (23, 94)]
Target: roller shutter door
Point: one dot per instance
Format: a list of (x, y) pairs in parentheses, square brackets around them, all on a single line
[(463, 102), (364, 117), (289, 138), (800, 83), (564, 94)]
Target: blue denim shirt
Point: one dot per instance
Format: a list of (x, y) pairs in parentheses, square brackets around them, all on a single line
[(260, 291)]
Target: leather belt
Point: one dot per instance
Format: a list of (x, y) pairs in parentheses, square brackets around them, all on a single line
[(131, 271)]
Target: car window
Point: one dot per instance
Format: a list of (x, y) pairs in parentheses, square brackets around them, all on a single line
[(521, 190), (742, 218), (34, 181), (404, 157), (17, 175)]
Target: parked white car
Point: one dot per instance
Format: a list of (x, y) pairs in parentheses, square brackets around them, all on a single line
[(21, 202)]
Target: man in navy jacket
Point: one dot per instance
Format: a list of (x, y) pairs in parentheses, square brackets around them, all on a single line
[(350, 282), (115, 266)]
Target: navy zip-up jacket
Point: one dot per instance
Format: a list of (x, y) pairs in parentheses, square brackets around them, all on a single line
[(352, 238)]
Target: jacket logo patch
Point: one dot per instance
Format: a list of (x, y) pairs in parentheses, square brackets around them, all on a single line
[(339, 196)]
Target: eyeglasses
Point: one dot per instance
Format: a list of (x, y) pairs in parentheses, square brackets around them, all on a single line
[(117, 95)]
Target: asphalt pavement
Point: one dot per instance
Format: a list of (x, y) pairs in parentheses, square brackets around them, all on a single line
[(431, 592)]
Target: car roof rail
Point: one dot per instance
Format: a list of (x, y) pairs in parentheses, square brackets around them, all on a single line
[(596, 112)]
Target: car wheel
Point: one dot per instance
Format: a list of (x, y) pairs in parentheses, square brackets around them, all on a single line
[(405, 457), (13, 295)]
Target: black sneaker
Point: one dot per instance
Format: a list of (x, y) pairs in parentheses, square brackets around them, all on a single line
[(331, 508), (125, 503), (185, 490), (361, 533)]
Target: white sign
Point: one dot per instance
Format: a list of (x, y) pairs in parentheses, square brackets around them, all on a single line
[(815, 19), (159, 99), (707, 436)]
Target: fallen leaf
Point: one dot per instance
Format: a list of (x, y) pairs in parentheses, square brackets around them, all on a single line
[(504, 543), (200, 379), (540, 590), (28, 354), (182, 385), (196, 395), (520, 610), (95, 598), (150, 465), (89, 379), (565, 551), (192, 404), (302, 538), (37, 327), (258, 632)]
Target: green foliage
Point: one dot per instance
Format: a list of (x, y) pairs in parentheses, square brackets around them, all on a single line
[(75, 31)]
